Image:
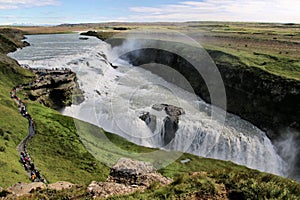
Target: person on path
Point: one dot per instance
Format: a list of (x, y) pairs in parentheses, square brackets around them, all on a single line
[(33, 175)]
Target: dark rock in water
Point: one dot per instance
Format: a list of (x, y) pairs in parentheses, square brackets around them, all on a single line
[(25, 43), (170, 123), (158, 107), (169, 130), (150, 120), (169, 109), (113, 66), (173, 110), (83, 38), (97, 91)]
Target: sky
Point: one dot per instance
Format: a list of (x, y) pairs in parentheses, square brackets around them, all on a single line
[(54, 12)]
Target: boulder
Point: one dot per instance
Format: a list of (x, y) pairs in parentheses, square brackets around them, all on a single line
[(107, 189), (61, 185), (132, 172), (21, 189)]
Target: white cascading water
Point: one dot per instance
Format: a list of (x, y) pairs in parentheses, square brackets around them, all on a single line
[(114, 99)]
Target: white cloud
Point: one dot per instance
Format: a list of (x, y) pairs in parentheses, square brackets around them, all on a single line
[(225, 10), (15, 4)]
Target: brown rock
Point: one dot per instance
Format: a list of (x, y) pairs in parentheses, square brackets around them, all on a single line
[(133, 172), (106, 189), (127, 176), (21, 189), (133, 166), (61, 185)]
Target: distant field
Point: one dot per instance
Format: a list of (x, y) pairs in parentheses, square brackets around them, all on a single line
[(272, 47)]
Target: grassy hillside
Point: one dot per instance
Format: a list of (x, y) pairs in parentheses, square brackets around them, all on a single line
[(10, 40), (12, 125), (201, 178)]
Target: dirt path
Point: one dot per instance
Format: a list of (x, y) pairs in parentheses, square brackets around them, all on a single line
[(33, 173)]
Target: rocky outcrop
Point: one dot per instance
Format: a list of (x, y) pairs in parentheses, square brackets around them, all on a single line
[(55, 88), (127, 176), (170, 122)]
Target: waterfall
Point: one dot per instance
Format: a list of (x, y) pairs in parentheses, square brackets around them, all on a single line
[(115, 98)]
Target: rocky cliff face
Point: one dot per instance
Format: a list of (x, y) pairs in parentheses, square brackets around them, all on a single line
[(55, 88), (266, 100)]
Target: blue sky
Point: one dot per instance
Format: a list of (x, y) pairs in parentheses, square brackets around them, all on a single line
[(73, 11)]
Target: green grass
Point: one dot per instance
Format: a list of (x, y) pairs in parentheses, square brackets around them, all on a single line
[(12, 125), (274, 64), (58, 151)]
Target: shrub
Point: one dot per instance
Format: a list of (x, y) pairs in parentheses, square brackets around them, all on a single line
[(6, 137), (2, 149)]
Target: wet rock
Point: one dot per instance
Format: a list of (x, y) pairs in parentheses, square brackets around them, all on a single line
[(169, 109), (61, 185), (158, 107), (150, 120), (169, 129), (113, 66), (21, 189)]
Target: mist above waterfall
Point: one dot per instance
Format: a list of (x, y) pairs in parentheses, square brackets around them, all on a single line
[(288, 148)]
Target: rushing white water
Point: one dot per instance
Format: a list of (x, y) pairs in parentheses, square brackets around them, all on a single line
[(116, 97)]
